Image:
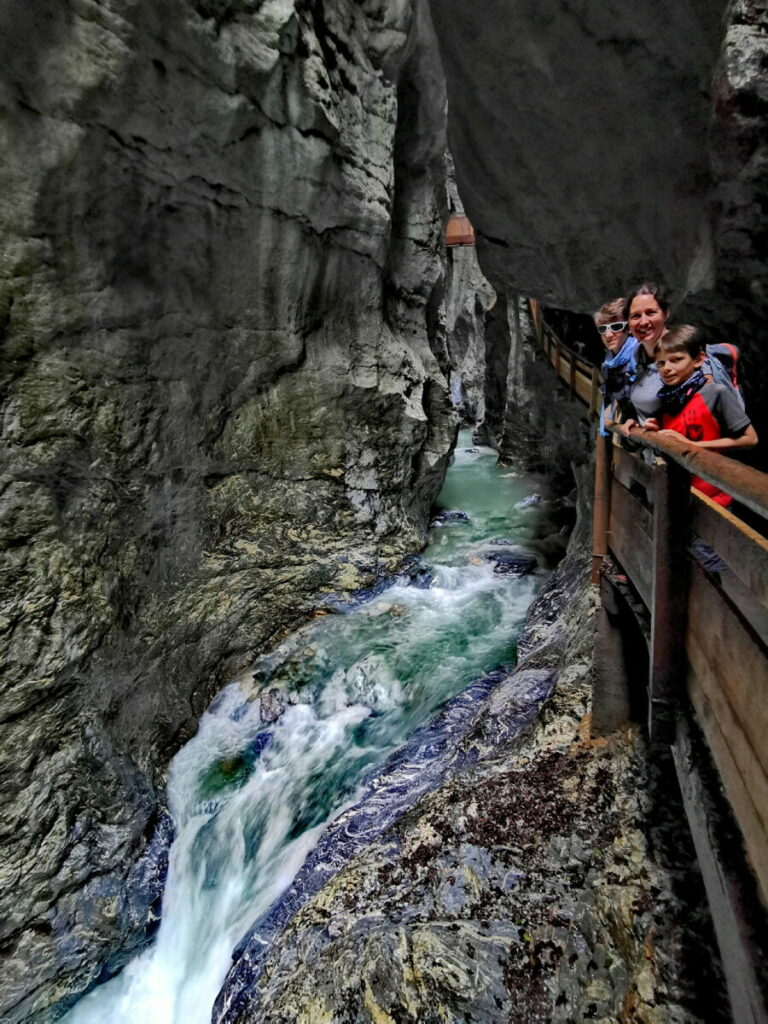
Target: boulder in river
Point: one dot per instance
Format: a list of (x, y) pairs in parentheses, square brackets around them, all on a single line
[(422, 580), (447, 517), (512, 563), (529, 502), (272, 706)]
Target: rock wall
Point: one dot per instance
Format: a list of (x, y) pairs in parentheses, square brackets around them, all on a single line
[(578, 133), (727, 286), (469, 302), (527, 418), (598, 144), (220, 296)]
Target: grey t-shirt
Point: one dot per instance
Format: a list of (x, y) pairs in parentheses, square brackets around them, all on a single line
[(644, 394)]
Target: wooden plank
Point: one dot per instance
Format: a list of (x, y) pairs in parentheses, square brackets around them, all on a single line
[(630, 540), (583, 387), (535, 308), (595, 396), (611, 701), (565, 366), (743, 549), (744, 754), (626, 509), (736, 789), (577, 373), (731, 664), (459, 231), (722, 873), (629, 469), (668, 607), (601, 516)]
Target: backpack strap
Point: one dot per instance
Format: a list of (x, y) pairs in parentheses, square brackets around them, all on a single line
[(734, 373)]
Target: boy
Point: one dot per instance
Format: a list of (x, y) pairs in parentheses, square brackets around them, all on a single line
[(705, 414), (619, 368)]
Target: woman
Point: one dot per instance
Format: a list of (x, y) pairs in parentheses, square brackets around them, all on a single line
[(646, 312), (618, 369)]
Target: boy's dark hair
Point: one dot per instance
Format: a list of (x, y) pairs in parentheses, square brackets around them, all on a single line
[(681, 339), (658, 291)]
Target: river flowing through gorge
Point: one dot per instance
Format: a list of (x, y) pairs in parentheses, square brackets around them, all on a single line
[(285, 749)]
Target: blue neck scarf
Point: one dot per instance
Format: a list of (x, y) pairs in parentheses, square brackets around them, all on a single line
[(673, 399), (623, 356)]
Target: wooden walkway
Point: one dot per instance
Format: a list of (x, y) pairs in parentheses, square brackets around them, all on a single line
[(688, 645)]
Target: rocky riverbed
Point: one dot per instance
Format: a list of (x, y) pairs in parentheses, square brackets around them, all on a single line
[(544, 876)]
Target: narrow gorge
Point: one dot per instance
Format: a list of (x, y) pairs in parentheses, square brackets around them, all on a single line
[(236, 356)]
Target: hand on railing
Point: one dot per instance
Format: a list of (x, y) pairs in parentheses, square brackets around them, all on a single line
[(650, 424), (747, 485), (720, 444)]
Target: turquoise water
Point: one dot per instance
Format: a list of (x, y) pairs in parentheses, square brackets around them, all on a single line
[(250, 795)]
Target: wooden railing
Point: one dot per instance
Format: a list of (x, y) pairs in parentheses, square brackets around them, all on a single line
[(581, 376), (706, 636), (686, 637)]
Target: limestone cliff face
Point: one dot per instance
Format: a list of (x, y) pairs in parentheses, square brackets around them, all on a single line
[(220, 295), (469, 304), (579, 135), (727, 285), (527, 418)]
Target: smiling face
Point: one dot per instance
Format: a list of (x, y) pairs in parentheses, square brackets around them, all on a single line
[(613, 340), (647, 321), (677, 366)]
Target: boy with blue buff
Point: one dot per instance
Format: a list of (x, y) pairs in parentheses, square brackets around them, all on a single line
[(619, 368)]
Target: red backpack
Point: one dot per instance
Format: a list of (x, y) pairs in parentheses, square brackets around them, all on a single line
[(724, 361)]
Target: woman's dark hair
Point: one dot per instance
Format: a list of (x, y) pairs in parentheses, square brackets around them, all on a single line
[(658, 291)]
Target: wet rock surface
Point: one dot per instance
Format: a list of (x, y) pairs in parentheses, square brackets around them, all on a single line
[(219, 311), (552, 81), (729, 281), (529, 502), (469, 298), (449, 517), (508, 563), (538, 876)]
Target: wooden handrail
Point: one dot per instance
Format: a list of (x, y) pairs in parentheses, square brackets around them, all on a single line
[(692, 580), (651, 535), (584, 365), (747, 485)]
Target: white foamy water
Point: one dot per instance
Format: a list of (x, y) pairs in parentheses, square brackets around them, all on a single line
[(249, 799)]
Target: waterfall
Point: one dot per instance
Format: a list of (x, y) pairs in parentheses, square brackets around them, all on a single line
[(284, 749)]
